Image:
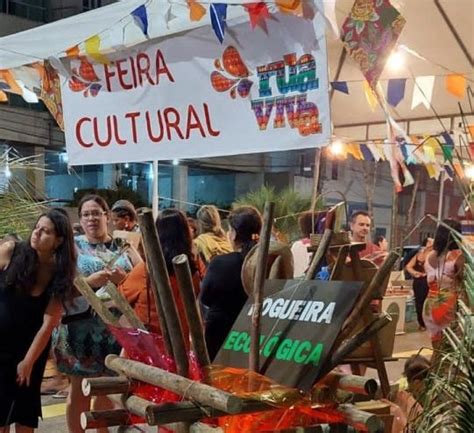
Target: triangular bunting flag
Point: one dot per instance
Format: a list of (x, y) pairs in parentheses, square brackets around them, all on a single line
[(140, 16), (3, 96), (92, 47), (340, 86), (448, 146), (258, 13), (366, 152), (218, 19), (292, 7), (449, 172), (73, 51), (8, 82), (370, 96), (396, 91), (196, 10), (423, 91), (376, 150), (456, 85)]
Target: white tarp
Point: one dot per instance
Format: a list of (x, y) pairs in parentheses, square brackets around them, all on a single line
[(157, 100)]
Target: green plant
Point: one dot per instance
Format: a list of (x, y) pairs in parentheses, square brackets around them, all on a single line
[(288, 205)]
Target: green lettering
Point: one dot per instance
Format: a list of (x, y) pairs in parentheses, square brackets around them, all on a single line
[(229, 343), (315, 355), (239, 341), (302, 352), (283, 349), (271, 343), (292, 350)]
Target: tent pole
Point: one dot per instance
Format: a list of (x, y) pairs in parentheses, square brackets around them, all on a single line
[(441, 196), (154, 201)]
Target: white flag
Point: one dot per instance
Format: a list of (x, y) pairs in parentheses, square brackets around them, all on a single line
[(423, 91)]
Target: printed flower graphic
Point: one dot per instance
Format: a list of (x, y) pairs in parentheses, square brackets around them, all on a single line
[(233, 65), (84, 79)]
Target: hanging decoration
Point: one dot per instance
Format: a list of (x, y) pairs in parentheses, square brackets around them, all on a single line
[(258, 13), (140, 16), (396, 91), (3, 96), (73, 51), (196, 10), (292, 7), (92, 47), (456, 85), (8, 82), (218, 19), (369, 33), (423, 91), (340, 86), (51, 92), (370, 96), (328, 11)]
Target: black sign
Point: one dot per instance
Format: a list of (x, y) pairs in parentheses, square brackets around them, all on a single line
[(300, 321)]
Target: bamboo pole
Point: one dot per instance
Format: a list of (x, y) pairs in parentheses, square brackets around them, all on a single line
[(202, 393), (260, 274), (373, 423), (353, 383), (319, 255), (186, 288), (105, 385), (98, 306), (122, 304), (104, 418), (159, 273)]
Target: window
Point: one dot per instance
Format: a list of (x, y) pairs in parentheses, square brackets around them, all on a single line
[(88, 5), (35, 10)]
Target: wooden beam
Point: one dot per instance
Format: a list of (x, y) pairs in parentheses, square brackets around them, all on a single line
[(105, 385)]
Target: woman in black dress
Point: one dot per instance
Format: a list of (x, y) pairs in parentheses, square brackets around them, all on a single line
[(222, 290), (36, 278)]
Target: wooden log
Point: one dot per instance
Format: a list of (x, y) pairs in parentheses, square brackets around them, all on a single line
[(186, 288), (260, 274), (355, 341), (104, 418), (159, 273), (98, 306), (105, 385), (201, 393), (125, 308), (365, 298), (319, 255), (373, 423), (167, 413)]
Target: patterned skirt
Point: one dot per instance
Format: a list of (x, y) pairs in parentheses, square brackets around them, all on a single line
[(80, 347)]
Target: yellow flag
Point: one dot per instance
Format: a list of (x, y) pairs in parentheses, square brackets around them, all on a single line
[(92, 47), (3, 97), (370, 95), (196, 10), (456, 85)]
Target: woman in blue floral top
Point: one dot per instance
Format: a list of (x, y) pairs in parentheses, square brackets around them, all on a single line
[(82, 341)]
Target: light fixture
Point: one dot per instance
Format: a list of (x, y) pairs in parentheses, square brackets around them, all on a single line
[(336, 148), (395, 61), (176, 161), (63, 157), (469, 172), (127, 165)]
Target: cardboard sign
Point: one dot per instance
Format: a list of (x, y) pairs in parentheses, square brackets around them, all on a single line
[(300, 321), (190, 96)]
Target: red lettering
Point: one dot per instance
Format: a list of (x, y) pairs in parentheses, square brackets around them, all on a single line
[(155, 139), (144, 69), (134, 73), (162, 68), (116, 131), (172, 124), (107, 141), (109, 73), (133, 121), (193, 122), (78, 131), (122, 73), (212, 132)]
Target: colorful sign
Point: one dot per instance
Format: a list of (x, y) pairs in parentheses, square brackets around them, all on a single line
[(189, 96), (300, 322)]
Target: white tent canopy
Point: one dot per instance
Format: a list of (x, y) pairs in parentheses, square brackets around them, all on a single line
[(441, 31)]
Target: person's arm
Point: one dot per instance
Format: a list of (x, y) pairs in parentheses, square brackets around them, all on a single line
[(51, 319), (410, 268), (6, 251)]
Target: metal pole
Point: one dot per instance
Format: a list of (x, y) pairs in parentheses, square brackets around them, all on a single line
[(441, 196), (154, 201)]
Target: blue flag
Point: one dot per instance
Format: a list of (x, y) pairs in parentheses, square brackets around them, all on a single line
[(341, 86), (396, 91), (140, 15), (218, 19)]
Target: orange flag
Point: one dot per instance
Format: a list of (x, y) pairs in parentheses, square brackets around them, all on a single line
[(292, 7), (3, 97), (456, 85), (73, 51), (7, 77), (196, 10)]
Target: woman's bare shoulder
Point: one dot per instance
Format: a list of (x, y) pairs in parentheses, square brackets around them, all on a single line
[(6, 251)]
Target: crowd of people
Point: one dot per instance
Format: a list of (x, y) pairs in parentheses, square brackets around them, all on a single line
[(41, 312)]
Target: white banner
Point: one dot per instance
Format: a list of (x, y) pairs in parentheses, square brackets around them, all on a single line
[(189, 96)]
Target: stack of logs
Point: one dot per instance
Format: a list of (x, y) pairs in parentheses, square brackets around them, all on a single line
[(201, 400)]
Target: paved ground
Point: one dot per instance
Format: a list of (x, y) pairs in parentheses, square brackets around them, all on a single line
[(405, 346)]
